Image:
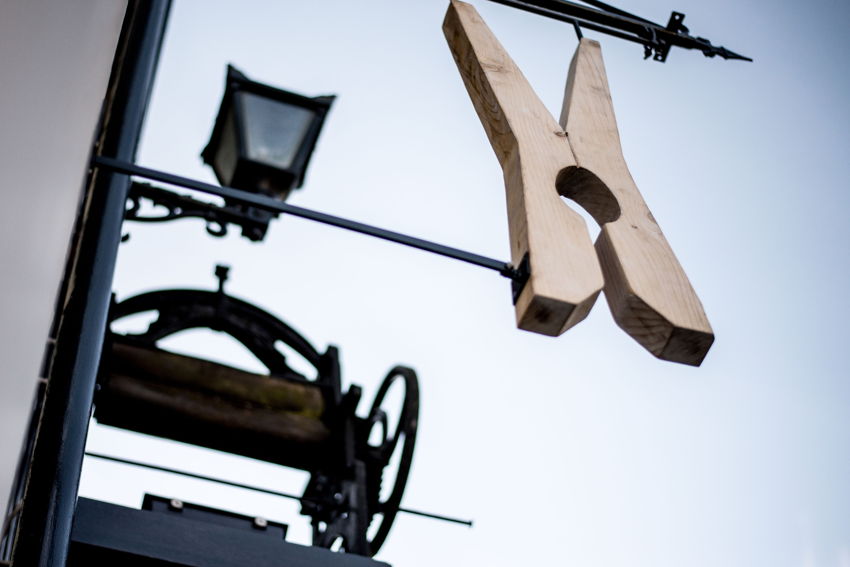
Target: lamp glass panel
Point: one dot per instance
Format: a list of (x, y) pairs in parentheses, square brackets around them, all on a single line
[(274, 130), (224, 160)]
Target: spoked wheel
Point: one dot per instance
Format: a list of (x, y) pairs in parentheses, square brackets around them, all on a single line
[(401, 442)]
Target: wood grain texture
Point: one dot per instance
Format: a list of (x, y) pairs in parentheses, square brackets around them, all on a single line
[(534, 154), (204, 403), (647, 290), (211, 379), (158, 399)]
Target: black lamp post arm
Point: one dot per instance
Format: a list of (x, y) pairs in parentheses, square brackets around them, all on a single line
[(274, 206)]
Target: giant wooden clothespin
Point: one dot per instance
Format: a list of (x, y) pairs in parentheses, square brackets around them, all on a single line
[(647, 290)]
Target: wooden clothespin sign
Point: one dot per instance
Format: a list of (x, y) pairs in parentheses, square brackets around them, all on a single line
[(647, 290)]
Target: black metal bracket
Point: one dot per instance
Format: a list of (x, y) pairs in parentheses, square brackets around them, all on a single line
[(604, 18), (263, 203), (254, 226), (522, 275)]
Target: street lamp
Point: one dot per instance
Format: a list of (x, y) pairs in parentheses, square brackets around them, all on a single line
[(263, 136)]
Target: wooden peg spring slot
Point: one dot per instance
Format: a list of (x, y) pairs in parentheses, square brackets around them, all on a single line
[(647, 290)]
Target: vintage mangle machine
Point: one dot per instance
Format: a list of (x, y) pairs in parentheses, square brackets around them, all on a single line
[(260, 147), (283, 418)]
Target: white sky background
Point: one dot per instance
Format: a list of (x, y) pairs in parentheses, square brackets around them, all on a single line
[(582, 450)]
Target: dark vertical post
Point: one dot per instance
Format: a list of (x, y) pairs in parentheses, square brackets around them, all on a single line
[(54, 472)]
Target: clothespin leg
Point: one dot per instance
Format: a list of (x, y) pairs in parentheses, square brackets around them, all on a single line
[(533, 151), (646, 288)]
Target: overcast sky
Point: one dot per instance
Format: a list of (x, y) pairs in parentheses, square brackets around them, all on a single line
[(582, 450)]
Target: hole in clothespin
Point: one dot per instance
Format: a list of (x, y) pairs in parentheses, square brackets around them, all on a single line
[(586, 189)]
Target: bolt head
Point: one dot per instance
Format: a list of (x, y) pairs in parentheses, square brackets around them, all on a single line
[(260, 523), (175, 504)]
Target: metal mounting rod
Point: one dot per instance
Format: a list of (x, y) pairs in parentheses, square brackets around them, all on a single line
[(618, 23), (263, 202), (257, 488)]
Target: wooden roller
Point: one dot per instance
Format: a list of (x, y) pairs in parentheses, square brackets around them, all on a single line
[(647, 290), (205, 379), (204, 403)]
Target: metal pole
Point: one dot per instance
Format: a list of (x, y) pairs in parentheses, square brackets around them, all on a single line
[(257, 488), (274, 205), (51, 493), (618, 23)]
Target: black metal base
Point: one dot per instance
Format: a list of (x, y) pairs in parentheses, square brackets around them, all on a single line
[(106, 534)]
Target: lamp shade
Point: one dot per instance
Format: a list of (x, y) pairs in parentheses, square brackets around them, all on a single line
[(263, 137)]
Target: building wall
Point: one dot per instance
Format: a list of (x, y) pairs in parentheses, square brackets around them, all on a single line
[(55, 59)]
